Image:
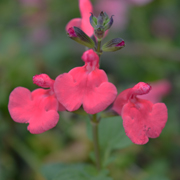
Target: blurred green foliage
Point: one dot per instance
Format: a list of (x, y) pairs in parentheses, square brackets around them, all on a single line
[(151, 53)]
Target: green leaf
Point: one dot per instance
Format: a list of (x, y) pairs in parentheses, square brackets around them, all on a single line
[(111, 136), (50, 171), (59, 171)]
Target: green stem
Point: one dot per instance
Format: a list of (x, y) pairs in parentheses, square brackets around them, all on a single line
[(98, 51), (95, 123)]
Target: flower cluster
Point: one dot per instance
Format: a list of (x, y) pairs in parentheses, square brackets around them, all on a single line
[(88, 86)]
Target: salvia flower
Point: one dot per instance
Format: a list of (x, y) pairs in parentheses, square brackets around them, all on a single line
[(87, 85), (83, 23), (141, 118), (38, 108)]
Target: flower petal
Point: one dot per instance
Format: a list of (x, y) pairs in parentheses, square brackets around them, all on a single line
[(61, 107), (86, 27), (121, 100), (20, 105), (157, 121), (99, 92), (86, 8), (45, 99), (91, 89), (38, 108), (42, 121), (69, 90), (99, 98), (143, 120)]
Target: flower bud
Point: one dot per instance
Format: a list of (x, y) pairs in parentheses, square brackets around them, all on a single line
[(101, 24), (141, 88), (43, 80), (113, 45), (79, 36)]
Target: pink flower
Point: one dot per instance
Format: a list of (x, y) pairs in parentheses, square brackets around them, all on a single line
[(38, 108), (141, 118), (83, 23), (159, 89), (87, 85)]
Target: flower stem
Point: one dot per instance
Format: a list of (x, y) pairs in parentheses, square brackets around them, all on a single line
[(98, 50), (95, 123)]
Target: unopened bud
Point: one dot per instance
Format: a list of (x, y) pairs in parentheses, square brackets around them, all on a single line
[(43, 80), (113, 45), (101, 24), (79, 36), (141, 88)]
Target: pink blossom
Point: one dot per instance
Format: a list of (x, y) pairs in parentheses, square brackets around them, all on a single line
[(83, 23), (141, 118), (87, 85), (38, 108)]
